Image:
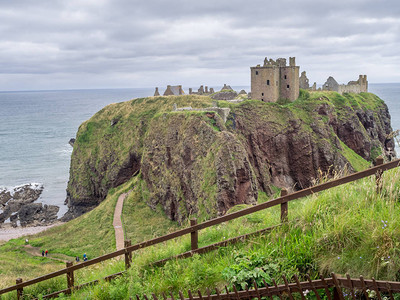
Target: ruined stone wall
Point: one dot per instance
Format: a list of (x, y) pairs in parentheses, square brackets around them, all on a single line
[(289, 83), (359, 86), (265, 83), (349, 88), (223, 112), (304, 83)]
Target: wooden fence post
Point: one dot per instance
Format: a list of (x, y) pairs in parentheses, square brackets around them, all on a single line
[(194, 235), (128, 254), (378, 176), (284, 207), (19, 290), (70, 277)]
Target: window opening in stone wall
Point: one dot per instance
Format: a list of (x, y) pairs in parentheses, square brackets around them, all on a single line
[(267, 81), (262, 94), (285, 77), (277, 82), (287, 86), (256, 72)]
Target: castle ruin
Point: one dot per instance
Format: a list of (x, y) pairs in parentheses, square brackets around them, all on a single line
[(359, 86), (275, 80)]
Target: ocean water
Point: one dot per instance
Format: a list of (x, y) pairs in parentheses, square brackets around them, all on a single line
[(35, 127)]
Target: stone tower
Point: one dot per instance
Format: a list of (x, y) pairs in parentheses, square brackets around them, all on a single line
[(275, 80)]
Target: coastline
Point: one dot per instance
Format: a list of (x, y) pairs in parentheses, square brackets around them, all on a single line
[(8, 233)]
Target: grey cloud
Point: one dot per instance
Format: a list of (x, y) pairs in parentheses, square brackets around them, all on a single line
[(144, 40)]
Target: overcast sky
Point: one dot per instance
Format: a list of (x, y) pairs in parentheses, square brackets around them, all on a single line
[(50, 44)]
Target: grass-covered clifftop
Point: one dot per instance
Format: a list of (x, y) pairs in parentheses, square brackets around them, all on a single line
[(192, 163)]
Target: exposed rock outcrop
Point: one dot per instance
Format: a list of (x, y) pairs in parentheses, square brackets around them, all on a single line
[(17, 207), (191, 171)]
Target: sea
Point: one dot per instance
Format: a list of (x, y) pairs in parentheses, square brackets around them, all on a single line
[(36, 126)]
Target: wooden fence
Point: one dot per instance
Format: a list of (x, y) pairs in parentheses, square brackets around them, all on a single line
[(194, 228), (324, 288)]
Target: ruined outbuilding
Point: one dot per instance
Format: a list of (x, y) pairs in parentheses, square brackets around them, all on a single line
[(202, 90), (174, 90), (275, 80), (359, 86)]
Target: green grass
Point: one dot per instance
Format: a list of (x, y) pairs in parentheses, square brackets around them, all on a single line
[(91, 233), (142, 223), (347, 229), (357, 162)]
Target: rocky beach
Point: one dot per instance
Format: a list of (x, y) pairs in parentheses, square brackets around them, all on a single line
[(19, 209)]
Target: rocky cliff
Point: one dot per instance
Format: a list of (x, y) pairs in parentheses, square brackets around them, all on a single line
[(192, 163)]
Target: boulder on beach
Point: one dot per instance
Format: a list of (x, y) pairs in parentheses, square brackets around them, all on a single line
[(17, 207)]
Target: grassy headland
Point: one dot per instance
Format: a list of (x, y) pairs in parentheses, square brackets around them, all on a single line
[(348, 229)]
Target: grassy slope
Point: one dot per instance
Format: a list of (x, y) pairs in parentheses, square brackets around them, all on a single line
[(140, 222), (341, 230), (348, 229), (91, 233)]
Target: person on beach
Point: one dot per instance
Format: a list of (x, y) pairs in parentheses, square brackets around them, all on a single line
[(43, 253), (46, 252)]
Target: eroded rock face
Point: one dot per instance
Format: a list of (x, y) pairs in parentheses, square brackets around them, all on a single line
[(371, 136), (190, 163), (283, 150), (17, 207)]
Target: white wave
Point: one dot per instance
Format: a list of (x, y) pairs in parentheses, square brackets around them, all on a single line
[(18, 188), (32, 186), (65, 151)]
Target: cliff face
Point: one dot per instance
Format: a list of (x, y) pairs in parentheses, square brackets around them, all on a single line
[(192, 166), (191, 163)]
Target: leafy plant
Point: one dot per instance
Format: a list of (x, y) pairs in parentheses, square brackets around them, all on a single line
[(249, 268)]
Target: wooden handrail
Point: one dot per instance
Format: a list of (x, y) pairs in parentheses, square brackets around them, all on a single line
[(283, 199)]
